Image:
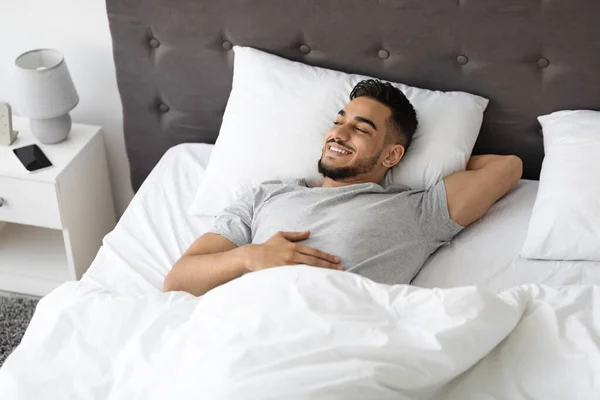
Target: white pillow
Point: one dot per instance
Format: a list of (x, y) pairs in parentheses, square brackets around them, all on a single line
[(565, 221), (279, 111)]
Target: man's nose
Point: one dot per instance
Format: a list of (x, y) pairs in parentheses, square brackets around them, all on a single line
[(342, 133)]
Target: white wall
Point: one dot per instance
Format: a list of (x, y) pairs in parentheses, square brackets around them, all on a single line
[(79, 29)]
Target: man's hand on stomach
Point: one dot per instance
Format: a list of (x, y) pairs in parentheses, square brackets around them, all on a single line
[(282, 249)]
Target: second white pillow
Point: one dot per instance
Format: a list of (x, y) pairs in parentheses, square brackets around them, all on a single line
[(565, 221), (279, 111)]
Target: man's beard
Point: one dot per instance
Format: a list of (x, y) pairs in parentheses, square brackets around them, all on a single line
[(342, 173)]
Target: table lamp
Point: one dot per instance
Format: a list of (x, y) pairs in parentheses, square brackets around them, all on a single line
[(46, 94)]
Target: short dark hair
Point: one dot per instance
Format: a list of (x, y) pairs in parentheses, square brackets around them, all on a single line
[(404, 117)]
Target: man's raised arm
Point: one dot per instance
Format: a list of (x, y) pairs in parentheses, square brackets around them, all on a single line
[(488, 178)]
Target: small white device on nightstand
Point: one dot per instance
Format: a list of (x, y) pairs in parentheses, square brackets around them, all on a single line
[(7, 135)]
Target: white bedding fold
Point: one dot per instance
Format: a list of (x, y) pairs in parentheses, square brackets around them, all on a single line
[(303, 332)]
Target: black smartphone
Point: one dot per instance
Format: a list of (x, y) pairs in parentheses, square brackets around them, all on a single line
[(32, 158)]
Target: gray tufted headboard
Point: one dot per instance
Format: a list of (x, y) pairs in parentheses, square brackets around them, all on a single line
[(529, 57)]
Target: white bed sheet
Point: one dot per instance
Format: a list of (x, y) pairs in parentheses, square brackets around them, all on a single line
[(156, 229), (487, 252)]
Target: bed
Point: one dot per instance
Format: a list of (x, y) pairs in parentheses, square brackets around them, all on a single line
[(156, 229), (479, 320)]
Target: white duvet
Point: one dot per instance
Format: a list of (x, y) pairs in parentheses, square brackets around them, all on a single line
[(299, 332)]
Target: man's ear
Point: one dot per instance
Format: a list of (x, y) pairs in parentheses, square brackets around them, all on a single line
[(394, 155)]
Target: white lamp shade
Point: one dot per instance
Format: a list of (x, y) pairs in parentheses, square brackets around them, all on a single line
[(44, 85)]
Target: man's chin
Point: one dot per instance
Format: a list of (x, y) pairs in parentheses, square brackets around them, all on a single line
[(334, 172), (332, 162)]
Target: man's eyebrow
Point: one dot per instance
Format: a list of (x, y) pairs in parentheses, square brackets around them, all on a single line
[(366, 121), (359, 119)]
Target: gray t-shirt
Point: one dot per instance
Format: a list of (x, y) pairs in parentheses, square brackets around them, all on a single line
[(383, 233)]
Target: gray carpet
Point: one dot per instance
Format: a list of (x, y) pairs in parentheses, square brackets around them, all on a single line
[(15, 314)]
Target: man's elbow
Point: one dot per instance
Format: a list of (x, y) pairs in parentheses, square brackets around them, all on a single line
[(170, 284), (515, 168)]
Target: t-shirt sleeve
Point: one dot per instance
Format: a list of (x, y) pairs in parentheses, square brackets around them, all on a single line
[(235, 221), (434, 217)]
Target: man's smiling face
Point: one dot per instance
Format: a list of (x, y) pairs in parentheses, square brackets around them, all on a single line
[(355, 143)]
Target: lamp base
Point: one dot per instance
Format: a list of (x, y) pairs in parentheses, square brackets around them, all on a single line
[(51, 130)]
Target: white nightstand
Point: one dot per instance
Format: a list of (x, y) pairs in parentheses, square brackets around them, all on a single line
[(52, 222)]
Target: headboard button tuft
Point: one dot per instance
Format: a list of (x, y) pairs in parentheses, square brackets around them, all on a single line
[(543, 62), (304, 49), (227, 45), (383, 54), (462, 59), (154, 43), (163, 108)]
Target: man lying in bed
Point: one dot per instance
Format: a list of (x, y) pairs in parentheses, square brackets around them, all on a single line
[(350, 222)]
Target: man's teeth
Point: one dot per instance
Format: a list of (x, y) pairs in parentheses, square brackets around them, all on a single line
[(338, 150)]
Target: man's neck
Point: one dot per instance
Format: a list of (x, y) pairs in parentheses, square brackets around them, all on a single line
[(346, 182)]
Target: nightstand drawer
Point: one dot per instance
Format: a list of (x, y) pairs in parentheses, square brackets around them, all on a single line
[(29, 203)]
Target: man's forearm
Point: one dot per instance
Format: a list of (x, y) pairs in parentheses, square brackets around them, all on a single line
[(197, 274)]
